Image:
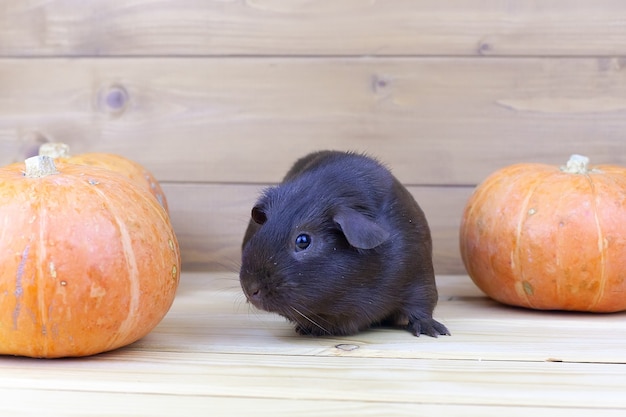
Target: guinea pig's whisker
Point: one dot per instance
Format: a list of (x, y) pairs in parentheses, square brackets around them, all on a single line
[(313, 314), (240, 301), (313, 322)]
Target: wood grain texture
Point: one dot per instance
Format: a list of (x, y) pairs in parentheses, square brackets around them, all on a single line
[(105, 404), (433, 120), (210, 220), (212, 354), (482, 329), (311, 27)]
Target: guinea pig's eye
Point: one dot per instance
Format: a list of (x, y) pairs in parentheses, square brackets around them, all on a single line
[(303, 241), (258, 215)]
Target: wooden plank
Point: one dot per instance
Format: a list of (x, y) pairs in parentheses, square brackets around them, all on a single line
[(212, 317), (378, 380), (210, 220), (433, 120), (204, 356), (270, 27), (19, 403)]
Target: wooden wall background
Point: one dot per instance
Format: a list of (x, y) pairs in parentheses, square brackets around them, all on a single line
[(218, 97)]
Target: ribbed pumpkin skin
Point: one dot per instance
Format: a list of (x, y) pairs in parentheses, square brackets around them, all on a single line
[(125, 166), (131, 169), (534, 236), (88, 262)]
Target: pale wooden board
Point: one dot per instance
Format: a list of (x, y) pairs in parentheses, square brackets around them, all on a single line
[(208, 355), (19, 403), (210, 221), (316, 27), (482, 329), (366, 380), (432, 120)]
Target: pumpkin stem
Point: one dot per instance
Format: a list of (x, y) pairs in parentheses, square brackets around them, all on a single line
[(577, 164), (40, 166), (55, 150)]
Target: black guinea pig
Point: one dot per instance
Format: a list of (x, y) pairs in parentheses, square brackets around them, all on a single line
[(339, 246)]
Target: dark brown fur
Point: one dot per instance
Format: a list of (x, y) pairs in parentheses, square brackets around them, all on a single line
[(369, 260)]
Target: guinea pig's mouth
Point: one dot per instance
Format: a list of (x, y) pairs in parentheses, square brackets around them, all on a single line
[(259, 302), (254, 297), (257, 297), (297, 314)]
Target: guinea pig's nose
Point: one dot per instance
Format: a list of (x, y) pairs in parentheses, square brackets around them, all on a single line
[(254, 293)]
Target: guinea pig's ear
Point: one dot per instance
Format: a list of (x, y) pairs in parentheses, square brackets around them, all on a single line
[(258, 214), (361, 231)]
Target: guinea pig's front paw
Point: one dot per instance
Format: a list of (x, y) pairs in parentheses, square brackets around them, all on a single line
[(427, 326)]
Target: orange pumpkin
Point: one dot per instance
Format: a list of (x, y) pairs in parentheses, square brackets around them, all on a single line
[(88, 261), (545, 237), (131, 169)]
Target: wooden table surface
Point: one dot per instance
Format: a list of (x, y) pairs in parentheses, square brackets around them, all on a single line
[(215, 355)]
